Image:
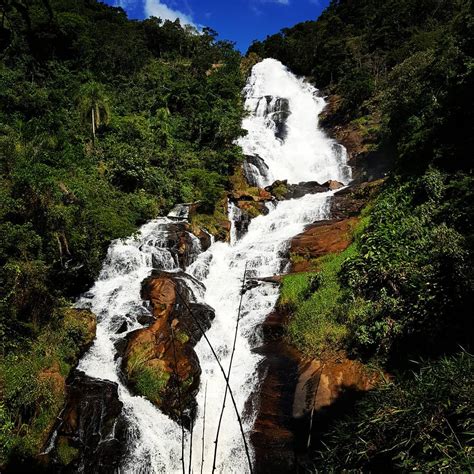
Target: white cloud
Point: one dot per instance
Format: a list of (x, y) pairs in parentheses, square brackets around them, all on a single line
[(159, 9), (281, 2), (123, 3)]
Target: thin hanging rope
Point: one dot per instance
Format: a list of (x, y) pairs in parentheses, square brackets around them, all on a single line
[(179, 398), (203, 428), (239, 420), (216, 442), (191, 445)]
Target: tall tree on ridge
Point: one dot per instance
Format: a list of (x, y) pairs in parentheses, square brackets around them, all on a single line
[(94, 105)]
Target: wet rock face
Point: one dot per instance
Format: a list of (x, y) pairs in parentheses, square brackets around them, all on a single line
[(91, 432), (159, 362), (249, 205), (319, 239), (280, 117), (277, 110), (185, 245), (367, 164), (281, 190), (255, 170)]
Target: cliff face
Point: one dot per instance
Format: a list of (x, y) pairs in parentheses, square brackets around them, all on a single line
[(369, 160)]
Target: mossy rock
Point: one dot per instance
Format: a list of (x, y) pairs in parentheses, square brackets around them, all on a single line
[(65, 452), (82, 323), (148, 376)]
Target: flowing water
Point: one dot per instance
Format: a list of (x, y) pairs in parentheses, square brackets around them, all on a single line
[(283, 131)]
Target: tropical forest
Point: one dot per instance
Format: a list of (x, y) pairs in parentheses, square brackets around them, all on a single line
[(227, 260)]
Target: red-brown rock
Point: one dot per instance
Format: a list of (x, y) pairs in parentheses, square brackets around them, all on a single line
[(320, 239), (333, 185), (159, 361)]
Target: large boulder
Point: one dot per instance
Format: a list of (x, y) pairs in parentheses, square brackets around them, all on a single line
[(281, 190), (319, 239), (350, 201), (159, 361), (90, 435), (184, 244)]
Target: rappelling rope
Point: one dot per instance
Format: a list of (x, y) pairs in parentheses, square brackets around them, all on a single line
[(230, 368)]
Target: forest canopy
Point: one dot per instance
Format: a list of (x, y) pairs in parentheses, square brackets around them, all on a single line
[(104, 123)]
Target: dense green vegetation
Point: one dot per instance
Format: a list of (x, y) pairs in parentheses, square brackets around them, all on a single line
[(402, 72), (104, 123)]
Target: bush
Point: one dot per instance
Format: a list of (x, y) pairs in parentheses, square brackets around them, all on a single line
[(411, 283)]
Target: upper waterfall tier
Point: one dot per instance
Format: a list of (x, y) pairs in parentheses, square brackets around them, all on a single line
[(283, 129)]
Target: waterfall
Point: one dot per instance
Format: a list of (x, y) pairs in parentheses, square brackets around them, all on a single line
[(233, 214), (283, 128), (283, 134)]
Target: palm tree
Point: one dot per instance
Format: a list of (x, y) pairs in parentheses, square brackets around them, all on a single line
[(94, 105)]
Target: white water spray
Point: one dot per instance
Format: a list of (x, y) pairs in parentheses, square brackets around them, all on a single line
[(300, 153)]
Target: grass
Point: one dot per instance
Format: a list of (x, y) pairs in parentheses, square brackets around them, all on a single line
[(66, 453), (151, 382), (320, 312), (315, 301), (148, 375)]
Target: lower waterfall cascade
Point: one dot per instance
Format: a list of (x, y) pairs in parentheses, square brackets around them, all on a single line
[(282, 131)]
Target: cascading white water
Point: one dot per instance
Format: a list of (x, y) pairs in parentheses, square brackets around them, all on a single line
[(304, 154)]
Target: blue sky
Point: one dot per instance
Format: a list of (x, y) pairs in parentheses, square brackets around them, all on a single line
[(237, 20)]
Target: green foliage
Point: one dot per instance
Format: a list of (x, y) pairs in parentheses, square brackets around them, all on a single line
[(162, 119), (66, 453), (421, 422), (101, 121), (402, 71), (32, 377), (214, 223), (410, 62), (407, 68), (150, 383), (148, 380), (93, 105), (209, 188), (410, 285)]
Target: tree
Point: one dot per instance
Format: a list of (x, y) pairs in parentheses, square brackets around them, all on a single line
[(94, 105)]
